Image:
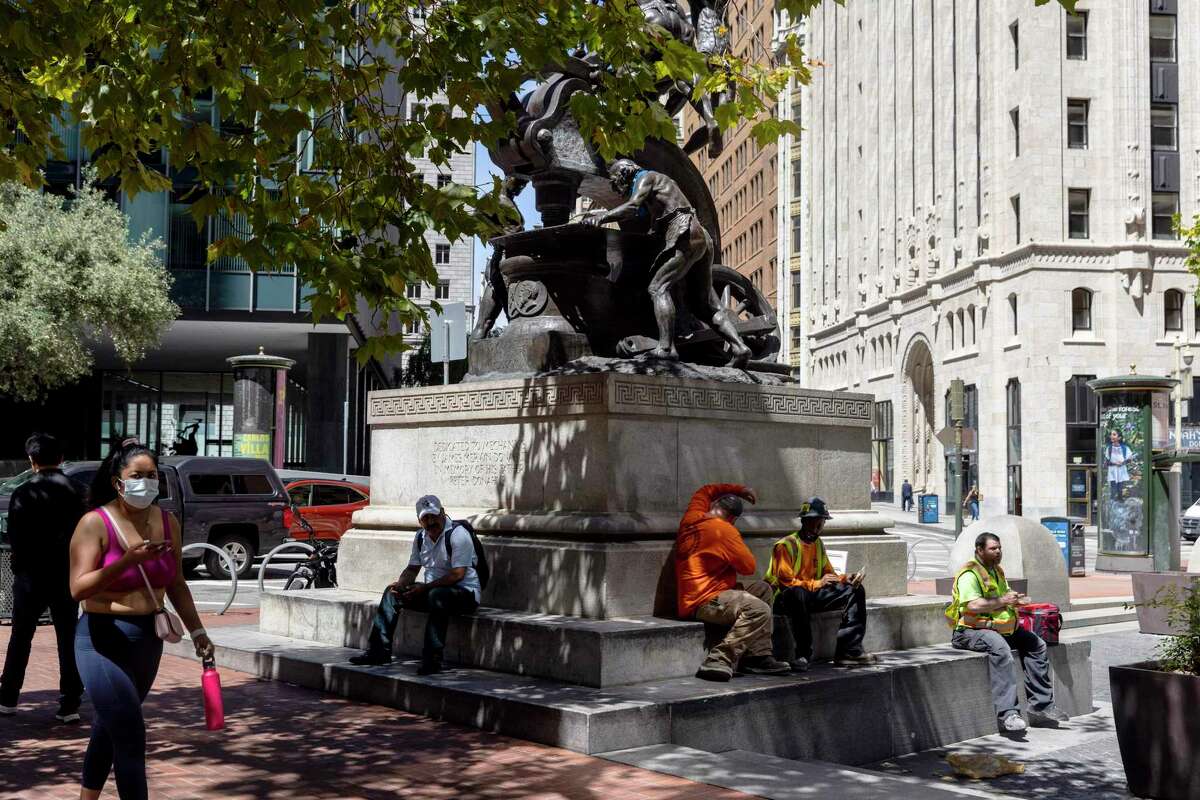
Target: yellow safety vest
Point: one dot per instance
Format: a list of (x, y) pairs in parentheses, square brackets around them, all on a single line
[(792, 543), (1003, 621)]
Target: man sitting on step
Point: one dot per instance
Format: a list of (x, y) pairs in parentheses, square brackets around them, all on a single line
[(805, 584), (984, 617), (451, 587), (709, 556)]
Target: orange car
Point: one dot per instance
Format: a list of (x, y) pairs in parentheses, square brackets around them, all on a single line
[(327, 505)]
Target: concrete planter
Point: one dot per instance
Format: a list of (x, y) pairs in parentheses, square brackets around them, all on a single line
[(1158, 730), (1146, 587)]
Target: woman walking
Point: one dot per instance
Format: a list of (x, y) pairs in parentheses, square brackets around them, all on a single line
[(125, 555), (971, 502)]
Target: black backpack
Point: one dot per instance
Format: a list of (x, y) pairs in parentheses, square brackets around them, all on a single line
[(481, 563)]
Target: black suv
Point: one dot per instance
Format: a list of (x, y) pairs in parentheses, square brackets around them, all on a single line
[(236, 504)]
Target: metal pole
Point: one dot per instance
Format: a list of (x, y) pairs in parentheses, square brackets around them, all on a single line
[(958, 461), (446, 356)]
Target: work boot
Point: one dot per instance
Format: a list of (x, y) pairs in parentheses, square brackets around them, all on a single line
[(799, 664), (764, 665), (67, 712), (1012, 723), (369, 658), (713, 670), (1048, 717), (856, 658), (430, 666)]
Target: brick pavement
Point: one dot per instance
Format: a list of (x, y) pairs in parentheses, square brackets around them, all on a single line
[(284, 741)]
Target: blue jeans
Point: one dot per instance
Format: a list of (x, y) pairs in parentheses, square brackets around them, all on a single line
[(974, 508), (440, 604), (118, 659)]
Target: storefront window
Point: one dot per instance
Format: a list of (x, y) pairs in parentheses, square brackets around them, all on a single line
[(881, 453), (172, 413)]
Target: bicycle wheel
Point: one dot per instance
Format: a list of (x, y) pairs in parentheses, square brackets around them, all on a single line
[(302, 578)]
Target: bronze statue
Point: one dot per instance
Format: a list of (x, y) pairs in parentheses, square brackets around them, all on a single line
[(495, 295), (703, 32), (683, 270)]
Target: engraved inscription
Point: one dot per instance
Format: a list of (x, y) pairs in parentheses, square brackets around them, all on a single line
[(486, 463)]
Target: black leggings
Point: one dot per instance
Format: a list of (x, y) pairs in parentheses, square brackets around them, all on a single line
[(118, 659)]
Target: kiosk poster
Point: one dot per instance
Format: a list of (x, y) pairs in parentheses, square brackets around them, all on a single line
[(1122, 475)]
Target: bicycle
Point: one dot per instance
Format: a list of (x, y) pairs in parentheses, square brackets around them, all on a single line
[(319, 569)]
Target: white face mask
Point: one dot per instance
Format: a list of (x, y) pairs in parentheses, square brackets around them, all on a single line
[(140, 492)]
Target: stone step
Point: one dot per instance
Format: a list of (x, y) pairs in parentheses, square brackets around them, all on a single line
[(1092, 603), (848, 715), (1097, 616), (587, 652), (776, 778)]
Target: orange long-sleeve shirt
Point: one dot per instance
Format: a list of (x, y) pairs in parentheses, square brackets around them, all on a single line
[(709, 552), (787, 576)]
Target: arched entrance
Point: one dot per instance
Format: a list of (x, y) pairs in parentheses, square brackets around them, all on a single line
[(919, 415)]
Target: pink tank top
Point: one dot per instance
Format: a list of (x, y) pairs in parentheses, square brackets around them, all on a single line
[(160, 570)]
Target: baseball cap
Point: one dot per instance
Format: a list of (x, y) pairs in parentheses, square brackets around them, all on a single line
[(814, 508), (429, 504)]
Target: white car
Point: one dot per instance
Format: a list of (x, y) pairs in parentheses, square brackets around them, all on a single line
[(1189, 522)]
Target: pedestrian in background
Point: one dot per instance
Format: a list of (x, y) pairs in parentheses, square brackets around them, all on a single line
[(42, 515), (972, 500), (906, 496), (125, 557)]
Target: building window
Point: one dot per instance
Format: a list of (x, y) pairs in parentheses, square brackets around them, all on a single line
[(1015, 202), (1078, 203), (1014, 32), (1162, 37), (1015, 116), (443, 180), (797, 233), (1082, 417), (881, 453), (1164, 207), (1172, 310), (968, 471), (413, 291), (797, 179), (412, 327), (441, 254), (1077, 35), (1012, 312), (1077, 124), (442, 291), (1013, 393), (1081, 310), (1163, 128)]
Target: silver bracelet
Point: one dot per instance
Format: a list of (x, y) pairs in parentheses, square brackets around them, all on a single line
[(197, 632)]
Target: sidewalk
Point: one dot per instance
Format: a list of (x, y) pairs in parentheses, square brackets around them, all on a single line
[(284, 741)]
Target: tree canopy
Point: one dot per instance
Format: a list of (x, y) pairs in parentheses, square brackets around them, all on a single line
[(69, 273), (332, 79)]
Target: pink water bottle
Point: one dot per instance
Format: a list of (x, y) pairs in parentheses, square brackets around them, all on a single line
[(214, 709)]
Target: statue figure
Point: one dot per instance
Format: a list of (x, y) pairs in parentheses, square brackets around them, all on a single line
[(707, 21), (495, 295), (683, 270)]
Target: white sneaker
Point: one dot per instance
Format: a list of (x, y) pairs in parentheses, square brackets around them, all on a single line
[(1013, 723), (8, 711)]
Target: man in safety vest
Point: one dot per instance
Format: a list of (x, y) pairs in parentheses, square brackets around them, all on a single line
[(805, 583), (709, 557), (983, 614)]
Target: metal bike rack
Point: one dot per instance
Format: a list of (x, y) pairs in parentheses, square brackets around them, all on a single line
[(229, 565), (262, 571), (913, 564)]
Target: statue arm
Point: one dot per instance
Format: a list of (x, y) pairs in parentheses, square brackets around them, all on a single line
[(628, 209)]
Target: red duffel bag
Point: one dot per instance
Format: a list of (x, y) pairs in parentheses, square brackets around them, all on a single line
[(1044, 619)]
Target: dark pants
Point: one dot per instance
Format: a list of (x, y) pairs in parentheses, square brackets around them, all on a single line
[(118, 658), (799, 603), (906, 503), (32, 595), (1039, 686), (440, 604)]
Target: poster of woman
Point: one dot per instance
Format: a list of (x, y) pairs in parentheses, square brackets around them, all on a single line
[(1122, 492)]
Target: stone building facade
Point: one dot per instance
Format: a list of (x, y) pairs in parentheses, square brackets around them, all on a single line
[(987, 196)]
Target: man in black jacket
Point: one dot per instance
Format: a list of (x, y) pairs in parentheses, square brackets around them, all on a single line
[(42, 515)]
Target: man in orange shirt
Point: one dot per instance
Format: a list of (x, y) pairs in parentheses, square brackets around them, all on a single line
[(805, 583), (709, 556)]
